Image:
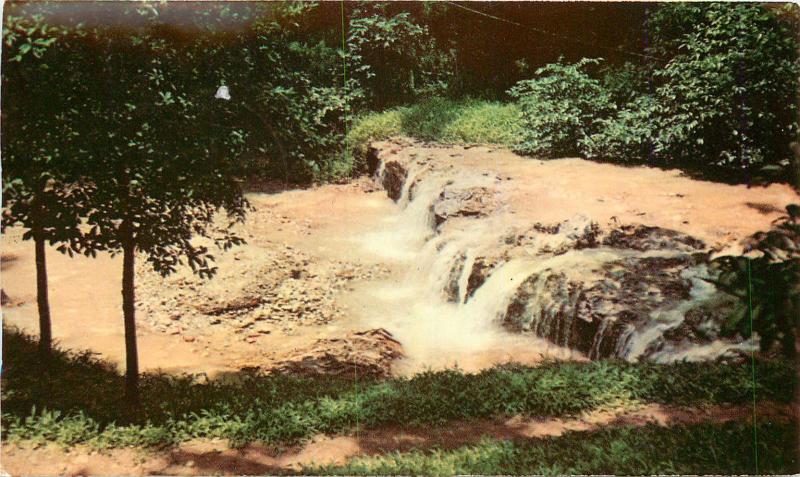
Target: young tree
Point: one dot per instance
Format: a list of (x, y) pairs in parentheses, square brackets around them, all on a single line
[(161, 152), (40, 188)]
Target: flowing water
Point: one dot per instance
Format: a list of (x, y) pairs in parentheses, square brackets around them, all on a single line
[(436, 331), (442, 323), (359, 260)]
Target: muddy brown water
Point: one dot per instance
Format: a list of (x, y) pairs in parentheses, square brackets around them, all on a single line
[(399, 262)]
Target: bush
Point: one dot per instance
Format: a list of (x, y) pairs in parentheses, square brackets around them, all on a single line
[(394, 57), (727, 94), (560, 108), (717, 94), (626, 136)]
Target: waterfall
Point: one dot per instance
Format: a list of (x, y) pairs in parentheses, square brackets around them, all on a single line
[(466, 270), (435, 328), (411, 177), (635, 342), (439, 319)]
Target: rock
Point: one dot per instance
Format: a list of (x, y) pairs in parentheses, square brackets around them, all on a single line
[(369, 353), (644, 238), (481, 269), (394, 176), (373, 160), (472, 202), (238, 304), (597, 313)]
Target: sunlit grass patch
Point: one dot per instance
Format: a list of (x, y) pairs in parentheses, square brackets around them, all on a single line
[(440, 120)]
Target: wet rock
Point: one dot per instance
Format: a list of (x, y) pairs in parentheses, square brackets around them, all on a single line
[(393, 178), (703, 323), (452, 286), (373, 159), (472, 202), (481, 269), (362, 354), (644, 238), (596, 311)]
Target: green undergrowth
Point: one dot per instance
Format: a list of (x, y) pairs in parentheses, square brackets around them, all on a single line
[(439, 120), (76, 398), (724, 449)]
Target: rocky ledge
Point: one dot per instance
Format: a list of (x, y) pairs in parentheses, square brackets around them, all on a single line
[(626, 290)]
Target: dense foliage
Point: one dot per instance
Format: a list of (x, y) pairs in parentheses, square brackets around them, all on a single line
[(394, 58), (42, 191), (717, 90), (710, 85), (767, 285), (560, 108)]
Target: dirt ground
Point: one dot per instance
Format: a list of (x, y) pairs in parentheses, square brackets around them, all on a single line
[(215, 457)]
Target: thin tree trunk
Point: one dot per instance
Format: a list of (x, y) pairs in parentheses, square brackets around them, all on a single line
[(42, 299), (129, 314)]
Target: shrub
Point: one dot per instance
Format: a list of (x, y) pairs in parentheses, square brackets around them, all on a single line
[(560, 107), (717, 94), (394, 57), (626, 136), (728, 90), (767, 286)]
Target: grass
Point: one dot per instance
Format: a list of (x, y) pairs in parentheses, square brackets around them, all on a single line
[(441, 120), (698, 449), (76, 398)]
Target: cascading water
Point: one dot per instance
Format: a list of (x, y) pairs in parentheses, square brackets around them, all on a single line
[(441, 321), (435, 330), (635, 343), (466, 270)]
